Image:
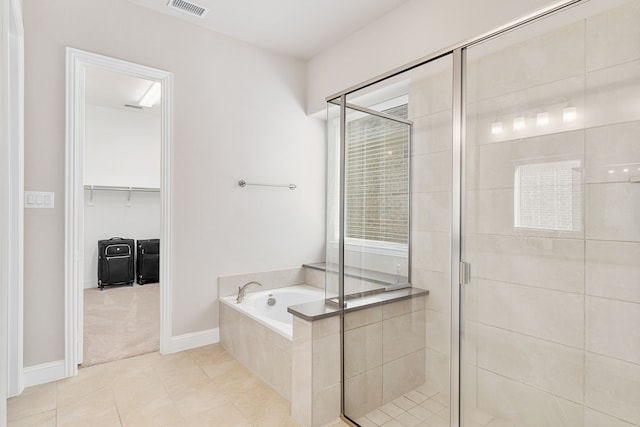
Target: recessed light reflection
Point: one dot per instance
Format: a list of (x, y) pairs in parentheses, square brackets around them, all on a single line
[(518, 123), (625, 170), (611, 170), (569, 114), (496, 128), (542, 119)]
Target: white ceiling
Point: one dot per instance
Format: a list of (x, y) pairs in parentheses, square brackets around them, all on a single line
[(299, 28), (114, 90)]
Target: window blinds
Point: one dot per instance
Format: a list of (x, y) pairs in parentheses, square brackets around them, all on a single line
[(377, 178)]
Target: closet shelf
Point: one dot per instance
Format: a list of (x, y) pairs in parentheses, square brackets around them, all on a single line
[(121, 188), (92, 189)]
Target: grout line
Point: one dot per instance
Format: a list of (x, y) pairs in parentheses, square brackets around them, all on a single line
[(584, 200), (115, 403), (530, 386), (531, 336)]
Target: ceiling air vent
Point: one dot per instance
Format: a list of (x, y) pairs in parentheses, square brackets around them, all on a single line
[(188, 7)]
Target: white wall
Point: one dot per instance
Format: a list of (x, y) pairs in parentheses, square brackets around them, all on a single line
[(238, 114), (412, 31), (122, 148)]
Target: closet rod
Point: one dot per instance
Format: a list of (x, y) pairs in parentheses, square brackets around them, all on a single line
[(119, 188)]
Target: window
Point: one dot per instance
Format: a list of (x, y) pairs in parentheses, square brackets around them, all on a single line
[(377, 179), (548, 196)]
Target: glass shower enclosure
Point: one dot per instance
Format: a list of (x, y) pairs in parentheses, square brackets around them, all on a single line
[(517, 159)]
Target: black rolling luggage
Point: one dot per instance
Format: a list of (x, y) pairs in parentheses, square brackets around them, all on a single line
[(148, 261), (115, 262)]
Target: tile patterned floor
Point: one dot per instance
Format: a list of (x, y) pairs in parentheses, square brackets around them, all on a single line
[(199, 387), (423, 407)]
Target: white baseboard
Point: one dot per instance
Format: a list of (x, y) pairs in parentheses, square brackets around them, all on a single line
[(194, 339), (53, 371), (44, 373)]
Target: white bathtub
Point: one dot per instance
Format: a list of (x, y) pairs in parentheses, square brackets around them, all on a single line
[(275, 316)]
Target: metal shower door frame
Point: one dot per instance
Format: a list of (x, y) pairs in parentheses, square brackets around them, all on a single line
[(458, 264)]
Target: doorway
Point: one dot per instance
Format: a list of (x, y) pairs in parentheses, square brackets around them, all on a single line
[(81, 69), (121, 198)]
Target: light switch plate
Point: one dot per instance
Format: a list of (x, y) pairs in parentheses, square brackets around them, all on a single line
[(38, 199)]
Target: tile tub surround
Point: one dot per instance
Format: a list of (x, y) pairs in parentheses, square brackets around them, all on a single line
[(228, 285), (261, 343), (315, 371), (239, 334), (394, 336), (386, 358), (263, 351)]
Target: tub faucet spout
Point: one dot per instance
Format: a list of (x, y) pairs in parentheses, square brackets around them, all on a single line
[(241, 291)]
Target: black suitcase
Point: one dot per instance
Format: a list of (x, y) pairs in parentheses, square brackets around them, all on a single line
[(148, 261), (115, 262)]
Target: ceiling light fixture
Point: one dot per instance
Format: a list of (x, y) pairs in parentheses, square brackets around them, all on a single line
[(151, 96)]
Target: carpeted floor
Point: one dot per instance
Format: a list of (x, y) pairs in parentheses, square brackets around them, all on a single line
[(121, 322)]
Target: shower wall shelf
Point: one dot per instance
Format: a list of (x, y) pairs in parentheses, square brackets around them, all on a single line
[(130, 190), (242, 183)]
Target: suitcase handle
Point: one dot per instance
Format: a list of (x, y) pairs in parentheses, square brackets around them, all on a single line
[(123, 255)]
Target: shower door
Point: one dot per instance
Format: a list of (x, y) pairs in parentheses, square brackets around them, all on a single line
[(551, 222), (397, 160)]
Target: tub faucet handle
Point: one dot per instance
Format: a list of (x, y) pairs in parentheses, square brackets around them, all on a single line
[(242, 290)]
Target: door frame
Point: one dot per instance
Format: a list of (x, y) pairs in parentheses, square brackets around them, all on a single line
[(74, 200), (13, 210)]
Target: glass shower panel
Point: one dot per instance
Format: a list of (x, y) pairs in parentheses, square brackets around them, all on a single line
[(332, 249), (376, 200), (398, 159), (551, 222)]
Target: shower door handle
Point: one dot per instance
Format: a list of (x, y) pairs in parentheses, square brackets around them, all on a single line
[(465, 273)]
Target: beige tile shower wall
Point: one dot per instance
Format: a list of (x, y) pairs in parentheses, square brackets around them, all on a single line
[(553, 316), (384, 354), (430, 109)]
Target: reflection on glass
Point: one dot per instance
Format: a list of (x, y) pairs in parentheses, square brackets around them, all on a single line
[(551, 228), (377, 199), (548, 196), (377, 175)]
